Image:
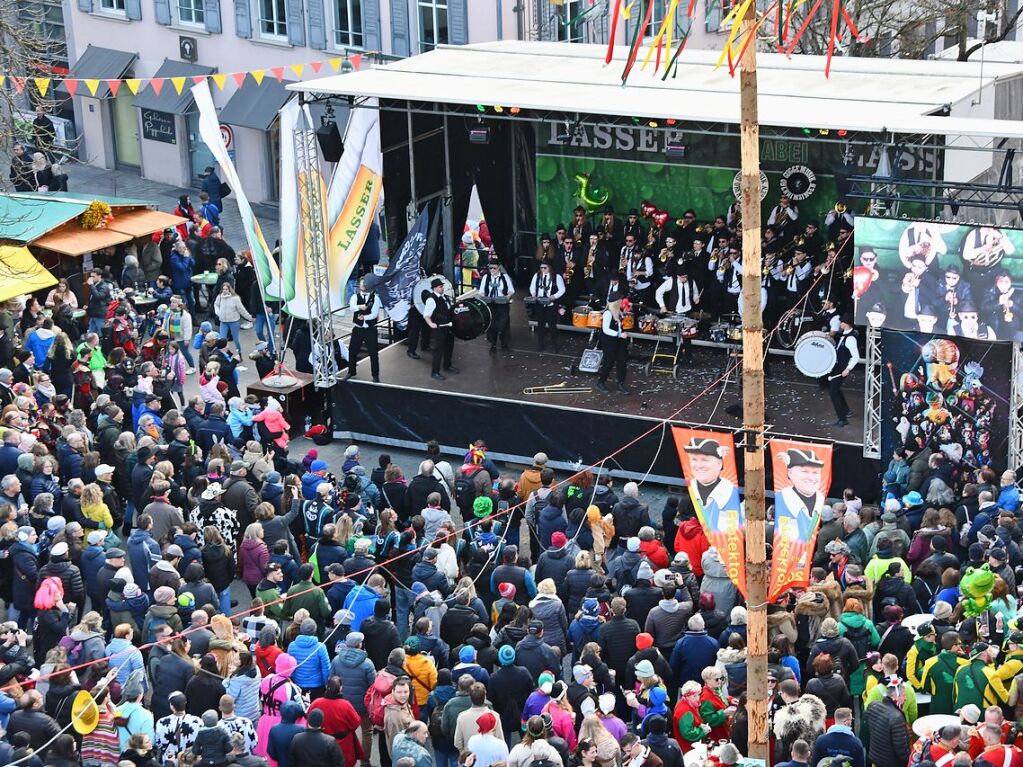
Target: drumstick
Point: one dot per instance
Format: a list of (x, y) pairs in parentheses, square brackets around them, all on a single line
[(891, 375)]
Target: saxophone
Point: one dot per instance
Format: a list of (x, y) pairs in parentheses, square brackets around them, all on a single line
[(577, 234), (569, 268), (590, 258)]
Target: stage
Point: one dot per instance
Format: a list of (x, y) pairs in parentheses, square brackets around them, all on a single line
[(485, 400)]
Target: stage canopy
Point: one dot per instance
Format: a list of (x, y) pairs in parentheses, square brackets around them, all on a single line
[(862, 94)]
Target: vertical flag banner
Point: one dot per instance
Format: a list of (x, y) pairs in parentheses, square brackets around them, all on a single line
[(708, 464), (475, 245), (802, 476), (209, 129), (394, 286)]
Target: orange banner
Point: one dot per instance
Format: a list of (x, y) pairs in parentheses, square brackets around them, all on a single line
[(802, 476), (708, 464)]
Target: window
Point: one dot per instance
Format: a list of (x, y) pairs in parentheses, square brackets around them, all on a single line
[(567, 32), (681, 26), (273, 18), (433, 24), (113, 6), (348, 23), (191, 12)]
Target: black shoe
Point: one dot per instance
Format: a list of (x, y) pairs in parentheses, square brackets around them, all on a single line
[(376, 379), (437, 377), (602, 387), (450, 369), (623, 389), (493, 350), (840, 422), (413, 355)]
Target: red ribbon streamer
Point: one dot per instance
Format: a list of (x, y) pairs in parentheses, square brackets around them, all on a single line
[(832, 38), (614, 29), (802, 29)]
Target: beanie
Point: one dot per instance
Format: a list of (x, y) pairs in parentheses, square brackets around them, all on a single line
[(506, 655), (643, 641)]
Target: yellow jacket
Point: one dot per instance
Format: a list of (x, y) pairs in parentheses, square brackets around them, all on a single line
[(423, 672), (99, 514)]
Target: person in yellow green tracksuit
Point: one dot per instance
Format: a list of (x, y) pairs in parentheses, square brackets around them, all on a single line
[(938, 676), (923, 649), (978, 682), (1012, 664)]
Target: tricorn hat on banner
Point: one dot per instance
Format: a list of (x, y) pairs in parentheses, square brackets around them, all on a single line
[(84, 713), (795, 457), (705, 446)]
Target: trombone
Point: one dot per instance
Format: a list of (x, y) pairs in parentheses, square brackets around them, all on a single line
[(560, 388)]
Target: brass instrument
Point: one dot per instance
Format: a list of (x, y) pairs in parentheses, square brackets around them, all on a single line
[(1007, 305), (665, 254), (577, 234), (569, 270), (840, 208), (590, 258), (561, 388), (910, 282)]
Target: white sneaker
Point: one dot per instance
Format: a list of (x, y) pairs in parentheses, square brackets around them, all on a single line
[(246, 325), (241, 368), (190, 371)]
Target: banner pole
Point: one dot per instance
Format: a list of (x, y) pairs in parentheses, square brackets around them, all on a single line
[(753, 394)]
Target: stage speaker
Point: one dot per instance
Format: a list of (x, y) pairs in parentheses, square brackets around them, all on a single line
[(590, 361), (331, 144), (479, 135)]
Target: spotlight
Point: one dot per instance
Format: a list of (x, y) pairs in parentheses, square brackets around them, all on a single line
[(499, 110), (824, 131), (675, 151), (479, 135), (635, 121), (652, 123), (807, 132), (347, 66), (843, 133), (515, 110), (480, 108), (671, 122)]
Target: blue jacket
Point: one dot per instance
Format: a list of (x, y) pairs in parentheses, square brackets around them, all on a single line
[(9, 459), (551, 520), (93, 559), (310, 482), (143, 553), (128, 659), (70, 462), (42, 483), (244, 688), (327, 553), (190, 549), (1008, 498), (356, 672), (182, 266), (434, 580), (280, 736), (839, 740), (691, 655), (211, 185), (315, 671), (237, 420), (361, 601)]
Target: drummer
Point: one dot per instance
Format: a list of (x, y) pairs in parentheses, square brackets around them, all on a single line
[(546, 289), (438, 316), (496, 289), (679, 295)]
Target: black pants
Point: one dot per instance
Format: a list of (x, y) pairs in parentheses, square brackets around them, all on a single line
[(837, 397), (385, 756), (364, 337), (500, 326), (443, 347), (546, 322), (616, 355), (417, 328)]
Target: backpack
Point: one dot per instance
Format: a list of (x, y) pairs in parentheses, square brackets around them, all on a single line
[(860, 638), (921, 748), (106, 338), (311, 517), (466, 491), (374, 698), (75, 649), (153, 622), (436, 722)]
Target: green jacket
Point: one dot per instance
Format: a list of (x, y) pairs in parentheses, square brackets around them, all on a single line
[(937, 680), (918, 655), (452, 709), (273, 608), (305, 594), (979, 684)]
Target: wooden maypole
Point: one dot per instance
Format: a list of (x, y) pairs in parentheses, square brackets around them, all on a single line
[(757, 573)]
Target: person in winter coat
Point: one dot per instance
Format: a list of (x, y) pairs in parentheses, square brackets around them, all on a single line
[(549, 513), (124, 656), (585, 628), (666, 623), (143, 551), (692, 653), (840, 649), (691, 540), (231, 311), (172, 675), (533, 653), (213, 742), (840, 741), (276, 691), (398, 715), (311, 659), (629, 514), (52, 617), (688, 727), (243, 687), (426, 572), (279, 737), (70, 576), (253, 556), (218, 565), (25, 568), (421, 670), (340, 722), (716, 581), (893, 590), (645, 651), (355, 670), (829, 686), (577, 582), (556, 562), (548, 609), (89, 634), (889, 737), (617, 638), (896, 638), (162, 612)]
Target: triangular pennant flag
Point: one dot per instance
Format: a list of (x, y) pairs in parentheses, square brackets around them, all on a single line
[(114, 86), (258, 75), (239, 78), (316, 66), (278, 72), (92, 84), (298, 69), (3, 79), (19, 84), (356, 61), (42, 85), (133, 84), (220, 80), (179, 83), (156, 84), (198, 79), (71, 85), (335, 64)]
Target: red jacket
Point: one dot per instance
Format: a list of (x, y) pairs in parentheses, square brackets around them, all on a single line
[(266, 658), (691, 713), (720, 731), (691, 539), (342, 722), (655, 552), (1003, 756)]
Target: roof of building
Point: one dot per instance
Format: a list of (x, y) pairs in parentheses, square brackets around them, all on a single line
[(101, 64), (169, 99)]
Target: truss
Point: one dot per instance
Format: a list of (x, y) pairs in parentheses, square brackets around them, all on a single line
[(1016, 409), (872, 396), (892, 191)]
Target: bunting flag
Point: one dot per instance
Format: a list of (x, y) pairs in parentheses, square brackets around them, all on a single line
[(114, 86), (93, 85), (258, 75), (133, 84), (179, 83), (156, 84), (239, 78), (220, 80), (278, 72), (42, 85)]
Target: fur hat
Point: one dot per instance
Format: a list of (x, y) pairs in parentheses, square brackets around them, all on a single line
[(829, 628)]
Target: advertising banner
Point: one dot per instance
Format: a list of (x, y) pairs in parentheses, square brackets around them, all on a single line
[(948, 279), (802, 476), (949, 392), (708, 465)]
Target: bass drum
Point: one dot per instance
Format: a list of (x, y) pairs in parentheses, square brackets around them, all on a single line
[(815, 354), (422, 290), (470, 318)]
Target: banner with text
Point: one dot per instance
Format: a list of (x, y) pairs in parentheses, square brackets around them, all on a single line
[(802, 476), (708, 464), (394, 287)]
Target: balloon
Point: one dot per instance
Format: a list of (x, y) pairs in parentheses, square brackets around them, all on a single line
[(661, 217), (647, 209)]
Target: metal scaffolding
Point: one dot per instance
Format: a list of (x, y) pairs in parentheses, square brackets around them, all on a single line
[(314, 245), (1016, 408), (872, 396)]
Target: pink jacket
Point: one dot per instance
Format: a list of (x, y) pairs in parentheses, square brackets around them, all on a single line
[(254, 556), (563, 724), (209, 391), (274, 421)]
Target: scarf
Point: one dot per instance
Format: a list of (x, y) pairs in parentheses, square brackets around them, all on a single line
[(174, 324)]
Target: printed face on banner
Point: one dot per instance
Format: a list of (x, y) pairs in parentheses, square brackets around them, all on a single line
[(708, 464), (802, 476)]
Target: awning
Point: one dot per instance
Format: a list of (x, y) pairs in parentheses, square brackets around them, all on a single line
[(139, 223), (169, 100), (24, 218), (101, 64), (255, 106), (77, 241), (20, 273)]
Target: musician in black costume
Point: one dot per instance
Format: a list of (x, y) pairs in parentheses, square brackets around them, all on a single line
[(365, 312), (496, 289), (546, 288), (615, 345), (438, 315)]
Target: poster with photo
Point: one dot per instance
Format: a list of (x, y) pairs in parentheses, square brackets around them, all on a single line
[(952, 394), (957, 280)]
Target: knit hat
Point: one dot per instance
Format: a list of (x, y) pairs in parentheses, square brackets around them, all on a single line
[(545, 682), (942, 610), (55, 524), (96, 537), (354, 638), (318, 466), (658, 695), (486, 722), (644, 572), (558, 540), (506, 590), (655, 724), (535, 626), (738, 616), (540, 459), (210, 718), (644, 669), (829, 628), (164, 595), (970, 713), (314, 719), (308, 627), (482, 506), (591, 607), (272, 478), (664, 577), (412, 645), (581, 673), (467, 654), (558, 690), (132, 590), (643, 641), (633, 544), (506, 655), (606, 702)]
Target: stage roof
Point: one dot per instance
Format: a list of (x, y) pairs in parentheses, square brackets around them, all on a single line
[(868, 95)]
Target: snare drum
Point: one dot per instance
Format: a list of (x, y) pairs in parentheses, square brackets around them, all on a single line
[(647, 323), (719, 332), (666, 327), (735, 333), (628, 321), (815, 354), (580, 317), (690, 328), (595, 318)]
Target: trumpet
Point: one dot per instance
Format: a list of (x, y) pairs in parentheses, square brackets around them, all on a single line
[(664, 255), (840, 207)]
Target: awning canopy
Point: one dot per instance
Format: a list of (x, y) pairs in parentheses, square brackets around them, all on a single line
[(101, 64), (20, 273), (139, 223), (27, 216), (255, 106), (75, 241), (169, 100)]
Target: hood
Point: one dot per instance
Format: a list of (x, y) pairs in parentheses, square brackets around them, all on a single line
[(628, 502), (712, 564), (305, 641), (270, 492), (854, 620), (668, 605), (80, 635), (166, 566), (351, 657), (138, 536), (250, 544), (731, 655), (691, 529), (550, 513), (557, 553), (601, 490)]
